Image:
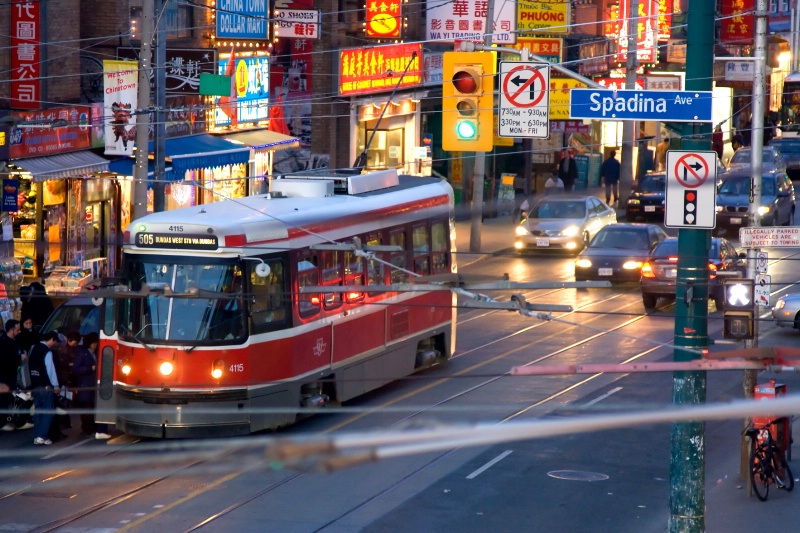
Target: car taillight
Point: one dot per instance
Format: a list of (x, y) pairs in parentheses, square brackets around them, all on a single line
[(647, 271)]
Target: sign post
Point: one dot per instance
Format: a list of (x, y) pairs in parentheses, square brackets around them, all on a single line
[(524, 100), (691, 196)]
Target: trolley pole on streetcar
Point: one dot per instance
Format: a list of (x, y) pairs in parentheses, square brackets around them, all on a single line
[(687, 464)]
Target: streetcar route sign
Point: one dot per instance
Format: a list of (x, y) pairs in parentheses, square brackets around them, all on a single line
[(691, 196), (668, 106), (786, 237), (761, 262), (524, 100)]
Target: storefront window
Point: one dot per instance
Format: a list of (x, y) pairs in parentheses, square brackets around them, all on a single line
[(386, 149), (224, 183)]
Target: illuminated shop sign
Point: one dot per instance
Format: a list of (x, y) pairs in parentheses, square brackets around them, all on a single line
[(252, 90), (242, 19), (378, 69), (543, 16)]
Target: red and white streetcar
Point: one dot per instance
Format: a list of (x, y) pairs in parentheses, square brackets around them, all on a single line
[(212, 335)]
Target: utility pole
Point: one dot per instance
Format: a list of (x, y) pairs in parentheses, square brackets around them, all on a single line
[(628, 126), (476, 209), (687, 464), (160, 81), (143, 114)]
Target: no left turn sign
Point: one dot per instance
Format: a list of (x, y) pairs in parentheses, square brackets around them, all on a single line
[(524, 99)]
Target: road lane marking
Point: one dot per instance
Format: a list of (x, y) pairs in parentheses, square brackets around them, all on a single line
[(490, 464), (62, 450), (603, 397)]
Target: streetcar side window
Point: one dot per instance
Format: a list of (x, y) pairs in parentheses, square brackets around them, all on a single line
[(375, 270), (308, 304), (353, 275), (331, 276), (398, 259), (268, 300), (421, 249), (439, 253)]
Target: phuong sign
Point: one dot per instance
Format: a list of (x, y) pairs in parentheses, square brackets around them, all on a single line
[(364, 70), (547, 16), (32, 142), (384, 18), (242, 19), (297, 23), (26, 55), (252, 90), (465, 20), (120, 83)]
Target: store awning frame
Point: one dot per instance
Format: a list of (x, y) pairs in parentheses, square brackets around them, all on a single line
[(202, 151), (263, 140), (124, 166), (62, 166)]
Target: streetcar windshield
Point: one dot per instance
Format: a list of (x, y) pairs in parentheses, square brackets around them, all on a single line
[(194, 303)]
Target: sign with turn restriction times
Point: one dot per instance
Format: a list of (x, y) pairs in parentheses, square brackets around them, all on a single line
[(691, 199), (524, 100)]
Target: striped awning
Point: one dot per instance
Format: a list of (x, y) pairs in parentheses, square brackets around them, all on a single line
[(60, 166), (264, 140)]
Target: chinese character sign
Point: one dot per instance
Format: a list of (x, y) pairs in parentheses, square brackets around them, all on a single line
[(384, 18), (378, 69), (297, 23), (646, 31), (560, 92), (465, 20), (664, 16), (546, 47), (737, 22), (120, 82), (251, 78), (75, 135), (618, 84), (26, 55)]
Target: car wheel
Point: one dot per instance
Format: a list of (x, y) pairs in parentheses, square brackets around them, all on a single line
[(649, 301)]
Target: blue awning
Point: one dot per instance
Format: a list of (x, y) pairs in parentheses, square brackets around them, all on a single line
[(203, 151), (125, 165), (70, 165)]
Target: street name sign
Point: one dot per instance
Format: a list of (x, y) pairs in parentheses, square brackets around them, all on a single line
[(691, 196), (785, 237), (524, 100), (667, 106)]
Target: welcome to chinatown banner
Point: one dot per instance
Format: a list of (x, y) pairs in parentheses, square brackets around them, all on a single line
[(120, 86)]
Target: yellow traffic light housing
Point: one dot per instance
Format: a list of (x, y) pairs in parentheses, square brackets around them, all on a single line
[(468, 101)]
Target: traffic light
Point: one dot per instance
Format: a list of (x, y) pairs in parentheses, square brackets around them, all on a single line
[(690, 207), (738, 309), (468, 101)]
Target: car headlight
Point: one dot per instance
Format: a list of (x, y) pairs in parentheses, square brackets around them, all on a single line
[(719, 208), (583, 263), (632, 265), (521, 231), (763, 210), (571, 231), (780, 304), (634, 201)]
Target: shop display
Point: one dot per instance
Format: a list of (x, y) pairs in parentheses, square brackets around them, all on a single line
[(10, 283)]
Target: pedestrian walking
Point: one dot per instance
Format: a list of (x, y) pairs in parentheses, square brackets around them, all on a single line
[(661, 153), (45, 386), (717, 143), (85, 373), (609, 174), (567, 170), (10, 359)]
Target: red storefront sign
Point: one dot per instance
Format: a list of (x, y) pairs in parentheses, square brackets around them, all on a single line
[(646, 31), (384, 18), (378, 69), (664, 15), (34, 135), (737, 22), (618, 84), (26, 55), (594, 58)]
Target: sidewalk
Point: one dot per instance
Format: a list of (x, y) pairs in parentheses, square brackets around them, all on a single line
[(497, 234)]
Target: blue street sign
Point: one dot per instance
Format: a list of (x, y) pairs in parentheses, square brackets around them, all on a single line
[(666, 106)]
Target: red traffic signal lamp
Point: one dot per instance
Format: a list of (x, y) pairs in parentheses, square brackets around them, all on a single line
[(468, 101), (738, 309)]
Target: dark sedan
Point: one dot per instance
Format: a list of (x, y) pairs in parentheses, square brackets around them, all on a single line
[(733, 200), (617, 252), (661, 270), (790, 151), (647, 197)]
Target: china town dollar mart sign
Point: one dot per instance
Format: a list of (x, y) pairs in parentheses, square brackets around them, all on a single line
[(769, 237), (465, 20)]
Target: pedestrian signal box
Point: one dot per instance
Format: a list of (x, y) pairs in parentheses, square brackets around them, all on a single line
[(738, 309), (468, 101)]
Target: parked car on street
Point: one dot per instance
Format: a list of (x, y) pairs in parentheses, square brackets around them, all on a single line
[(789, 148), (647, 197), (563, 222), (786, 311), (771, 160), (618, 252), (733, 200), (660, 271)]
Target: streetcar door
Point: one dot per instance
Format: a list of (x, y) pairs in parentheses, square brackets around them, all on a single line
[(105, 412)]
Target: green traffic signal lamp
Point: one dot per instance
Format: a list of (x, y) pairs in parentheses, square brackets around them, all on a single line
[(467, 130)]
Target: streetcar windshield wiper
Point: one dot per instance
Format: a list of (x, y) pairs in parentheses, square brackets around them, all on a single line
[(136, 335)]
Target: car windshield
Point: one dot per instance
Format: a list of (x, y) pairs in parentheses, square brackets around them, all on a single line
[(81, 318), (743, 156), (741, 186), (653, 184), (206, 306), (669, 248), (788, 147), (622, 238), (562, 209)]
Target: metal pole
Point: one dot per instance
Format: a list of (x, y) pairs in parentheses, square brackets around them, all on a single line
[(476, 209), (687, 464), (142, 113), (628, 126), (159, 143)]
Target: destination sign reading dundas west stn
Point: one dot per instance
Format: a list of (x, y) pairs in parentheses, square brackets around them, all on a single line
[(176, 241)]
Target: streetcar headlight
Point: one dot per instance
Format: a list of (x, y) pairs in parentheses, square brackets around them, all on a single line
[(126, 369), (571, 231), (583, 263), (632, 265), (166, 368), (521, 231), (216, 368)]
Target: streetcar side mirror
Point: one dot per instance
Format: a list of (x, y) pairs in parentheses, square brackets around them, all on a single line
[(262, 270)]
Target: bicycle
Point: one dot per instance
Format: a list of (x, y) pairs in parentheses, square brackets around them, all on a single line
[(767, 463)]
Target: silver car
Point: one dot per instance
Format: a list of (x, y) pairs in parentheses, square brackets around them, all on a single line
[(563, 223), (771, 160), (786, 312)]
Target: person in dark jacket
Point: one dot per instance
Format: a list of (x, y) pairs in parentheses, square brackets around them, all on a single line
[(567, 169), (45, 386), (27, 335), (84, 371), (609, 173), (10, 359), (37, 305)]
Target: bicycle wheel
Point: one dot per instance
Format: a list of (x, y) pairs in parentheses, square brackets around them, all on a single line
[(785, 473), (759, 474)]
